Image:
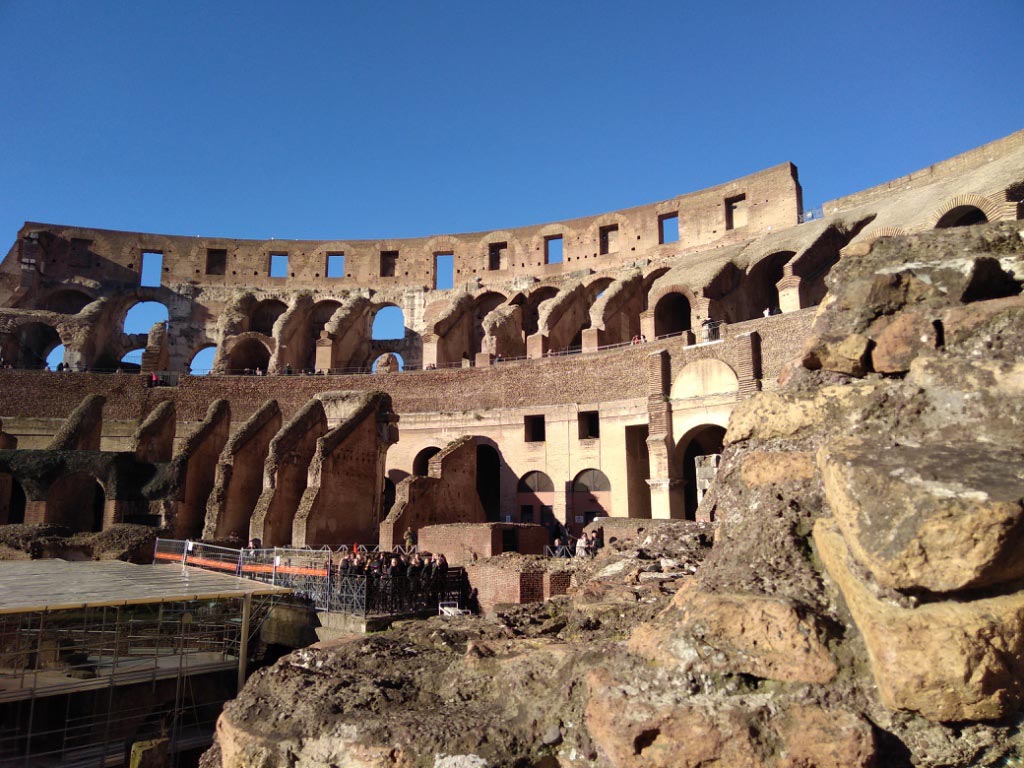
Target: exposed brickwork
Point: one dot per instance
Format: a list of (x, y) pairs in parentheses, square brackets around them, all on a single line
[(464, 543)]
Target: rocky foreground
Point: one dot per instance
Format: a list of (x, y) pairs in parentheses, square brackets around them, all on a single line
[(862, 603)]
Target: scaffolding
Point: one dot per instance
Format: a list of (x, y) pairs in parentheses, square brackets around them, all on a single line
[(95, 656)]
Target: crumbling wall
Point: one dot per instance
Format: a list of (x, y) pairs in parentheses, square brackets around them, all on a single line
[(154, 439), (285, 474), (465, 542), (239, 477), (196, 467), (447, 495), (342, 500), (83, 429)]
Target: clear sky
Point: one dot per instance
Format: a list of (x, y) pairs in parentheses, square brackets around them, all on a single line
[(355, 120)]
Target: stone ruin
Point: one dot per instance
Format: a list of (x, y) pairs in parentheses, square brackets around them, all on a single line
[(833, 399)]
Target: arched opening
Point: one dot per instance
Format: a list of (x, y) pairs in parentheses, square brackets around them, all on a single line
[(649, 279), (535, 498), (388, 323), (12, 501), (961, 216), (700, 452), (248, 356), (591, 497), (131, 362), (482, 306), (762, 290), (322, 313), (76, 501), (389, 362), (142, 317), (56, 357), (488, 480), (35, 342), (421, 464), (67, 301), (672, 315), (531, 308), (264, 315), (202, 361)]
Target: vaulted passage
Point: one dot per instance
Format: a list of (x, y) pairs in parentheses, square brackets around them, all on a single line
[(591, 497), (698, 451), (76, 500), (962, 216), (672, 315), (488, 481), (421, 464)]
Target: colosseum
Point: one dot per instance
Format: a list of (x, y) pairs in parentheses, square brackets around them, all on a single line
[(573, 369)]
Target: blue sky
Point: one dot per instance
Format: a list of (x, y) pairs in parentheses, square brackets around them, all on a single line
[(368, 119)]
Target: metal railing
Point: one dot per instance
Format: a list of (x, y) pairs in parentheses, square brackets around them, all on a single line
[(315, 575)]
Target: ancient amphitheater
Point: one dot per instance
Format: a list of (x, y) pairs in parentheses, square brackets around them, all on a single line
[(801, 432), (533, 390)]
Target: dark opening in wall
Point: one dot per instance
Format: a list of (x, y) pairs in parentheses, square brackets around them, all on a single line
[(152, 267), (444, 271), (609, 239), (534, 429), (736, 212), (553, 249), (279, 265), (589, 423), (525, 513), (78, 255), (216, 261), (388, 263), (497, 256), (668, 228), (335, 265)]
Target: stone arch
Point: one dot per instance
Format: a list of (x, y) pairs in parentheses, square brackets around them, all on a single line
[(141, 315), (247, 352), (761, 282), (66, 301), (535, 498), (200, 363), (421, 463), (484, 303), (591, 497), (964, 210), (531, 307), (704, 440), (379, 322), (389, 362), (76, 500), (673, 311), (704, 378), (34, 341), (264, 314)]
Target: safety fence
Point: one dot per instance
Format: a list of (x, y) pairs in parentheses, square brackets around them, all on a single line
[(324, 578)]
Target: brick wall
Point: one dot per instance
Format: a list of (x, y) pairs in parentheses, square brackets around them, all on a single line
[(515, 581)]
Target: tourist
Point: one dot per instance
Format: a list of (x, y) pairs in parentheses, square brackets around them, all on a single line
[(409, 539)]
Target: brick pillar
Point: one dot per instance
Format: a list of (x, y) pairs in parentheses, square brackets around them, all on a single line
[(536, 346), (789, 290), (429, 349), (593, 338), (647, 324), (748, 367), (324, 353), (666, 491)]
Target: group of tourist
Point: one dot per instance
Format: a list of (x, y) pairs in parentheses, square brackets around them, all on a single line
[(397, 582), (586, 545)]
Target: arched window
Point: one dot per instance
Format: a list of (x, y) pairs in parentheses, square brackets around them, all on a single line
[(388, 323), (202, 361), (591, 481), (421, 464), (535, 482), (265, 314)]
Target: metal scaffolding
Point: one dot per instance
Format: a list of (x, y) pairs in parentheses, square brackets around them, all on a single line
[(95, 656)]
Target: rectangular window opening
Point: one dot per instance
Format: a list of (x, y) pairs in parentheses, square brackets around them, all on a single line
[(79, 255), (444, 271), (335, 265), (534, 429), (589, 423), (668, 228), (216, 261), (279, 265), (152, 269), (736, 212), (497, 256), (526, 513), (609, 239), (388, 263), (553, 249)]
